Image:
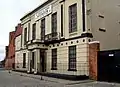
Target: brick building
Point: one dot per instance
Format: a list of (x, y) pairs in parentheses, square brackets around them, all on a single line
[(10, 49), (10, 52)]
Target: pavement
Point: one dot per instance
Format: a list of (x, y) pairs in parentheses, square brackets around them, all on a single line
[(17, 79), (51, 79)]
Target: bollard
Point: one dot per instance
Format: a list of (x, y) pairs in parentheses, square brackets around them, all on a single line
[(9, 71), (41, 78)]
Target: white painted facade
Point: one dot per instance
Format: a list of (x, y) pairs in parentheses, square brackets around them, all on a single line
[(19, 54), (92, 25)]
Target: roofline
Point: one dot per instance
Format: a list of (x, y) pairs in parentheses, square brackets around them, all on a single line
[(46, 2), (12, 32)]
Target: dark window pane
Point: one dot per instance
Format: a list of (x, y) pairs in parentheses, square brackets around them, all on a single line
[(43, 29), (25, 35), (28, 31), (34, 31), (24, 60), (32, 61), (54, 58), (54, 23), (73, 18), (72, 58), (61, 20)]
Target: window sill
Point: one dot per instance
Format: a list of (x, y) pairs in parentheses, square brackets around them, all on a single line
[(72, 70), (53, 68), (73, 33)]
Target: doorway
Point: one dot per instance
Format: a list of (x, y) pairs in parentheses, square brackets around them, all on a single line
[(109, 66), (42, 60)]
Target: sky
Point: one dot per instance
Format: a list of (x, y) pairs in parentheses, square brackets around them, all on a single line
[(10, 13)]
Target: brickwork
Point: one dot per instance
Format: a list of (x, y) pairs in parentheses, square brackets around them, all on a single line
[(10, 57), (10, 49), (93, 55)]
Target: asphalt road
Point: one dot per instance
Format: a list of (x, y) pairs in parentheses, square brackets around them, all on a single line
[(14, 80)]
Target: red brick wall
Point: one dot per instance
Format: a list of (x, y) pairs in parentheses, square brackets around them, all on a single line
[(18, 30), (10, 57), (10, 49), (93, 54)]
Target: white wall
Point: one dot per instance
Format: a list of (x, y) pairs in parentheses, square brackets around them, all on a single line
[(18, 43), (62, 57), (19, 60)]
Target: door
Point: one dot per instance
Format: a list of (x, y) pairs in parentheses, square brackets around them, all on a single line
[(43, 60), (109, 66), (32, 61)]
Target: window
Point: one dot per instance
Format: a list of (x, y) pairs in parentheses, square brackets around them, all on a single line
[(73, 18), (54, 59), (21, 39), (28, 31), (54, 24), (32, 61), (83, 14), (72, 58), (24, 60), (61, 20), (25, 35), (34, 31), (43, 29)]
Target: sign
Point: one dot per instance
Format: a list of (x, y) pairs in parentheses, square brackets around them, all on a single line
[(111, 54), (44, 12)]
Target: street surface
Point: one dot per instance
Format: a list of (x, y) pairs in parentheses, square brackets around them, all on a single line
[(16, 80)]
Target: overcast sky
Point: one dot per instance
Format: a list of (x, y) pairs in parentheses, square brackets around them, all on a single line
[(10, 13)]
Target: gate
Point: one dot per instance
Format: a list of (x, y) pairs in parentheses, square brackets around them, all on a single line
[(109, 66)]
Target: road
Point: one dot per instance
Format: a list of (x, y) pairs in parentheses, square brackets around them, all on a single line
[(14, 80)]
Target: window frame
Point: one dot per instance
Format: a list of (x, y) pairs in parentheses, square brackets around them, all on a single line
[(33, 60), (54, 59), (43, 29), (72, 58), (25, 35), (73, 18), (24, 60), (28, 31), (62, 20), (54, 24), (34, 31)]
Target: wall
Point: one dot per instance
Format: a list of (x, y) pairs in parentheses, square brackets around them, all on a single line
[(111, 38), (56, 7), (79, 18), (94, 47), (18, 43), (82, 44), (62, 57), (19, 60), (10, 59)]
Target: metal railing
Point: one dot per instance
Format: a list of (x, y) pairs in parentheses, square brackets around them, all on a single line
[(52, 36)]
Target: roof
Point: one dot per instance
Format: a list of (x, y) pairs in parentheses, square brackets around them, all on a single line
[(29, 13)]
